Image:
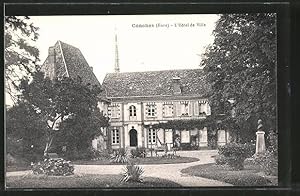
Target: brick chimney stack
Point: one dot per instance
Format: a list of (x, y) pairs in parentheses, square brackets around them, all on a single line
[(49, 70), (51, 55)]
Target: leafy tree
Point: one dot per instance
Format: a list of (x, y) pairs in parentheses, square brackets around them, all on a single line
[(241, 65), (20, 55), (60, 102), (24, 132), (77, 132)]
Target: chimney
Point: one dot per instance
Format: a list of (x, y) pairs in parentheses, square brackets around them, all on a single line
[(50, 71), (91, 68), (176, 86), (51, 55)]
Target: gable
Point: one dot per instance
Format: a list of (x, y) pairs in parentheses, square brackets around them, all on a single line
[(65, 60)]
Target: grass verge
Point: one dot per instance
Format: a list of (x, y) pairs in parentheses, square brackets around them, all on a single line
[(248, 177), (82, 181)]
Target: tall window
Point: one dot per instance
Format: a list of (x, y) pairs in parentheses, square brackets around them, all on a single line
[(115, 136), (132, 110), (152, 136), (151, 110)]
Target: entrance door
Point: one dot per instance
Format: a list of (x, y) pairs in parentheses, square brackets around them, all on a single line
[(133, 137)]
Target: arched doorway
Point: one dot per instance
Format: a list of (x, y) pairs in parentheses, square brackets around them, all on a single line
[(133, 137)]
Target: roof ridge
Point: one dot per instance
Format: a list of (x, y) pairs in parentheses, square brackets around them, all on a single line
[(63, 57), (68, 44), (155, 83), (156, 71)]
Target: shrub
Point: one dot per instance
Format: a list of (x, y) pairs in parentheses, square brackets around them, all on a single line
[(186, 146), (53, 167), (247, 180), (269, 163), (236, 153), (132, 173), (220, 160), (119, 156), (170, 156), (101, 155), (138, 152), (269, 160)]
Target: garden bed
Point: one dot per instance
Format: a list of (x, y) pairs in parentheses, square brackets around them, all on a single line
[(250, 176), (82, 181), (140, 161)]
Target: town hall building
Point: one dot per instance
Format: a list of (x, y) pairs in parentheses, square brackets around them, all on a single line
[(141, 99), (137, 101)]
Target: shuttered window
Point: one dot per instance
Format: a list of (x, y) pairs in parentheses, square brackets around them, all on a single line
[(202, 108), (168, 110), (114, 111), (184, 108)]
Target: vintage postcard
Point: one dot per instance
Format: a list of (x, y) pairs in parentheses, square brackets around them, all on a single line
[(111, 101)]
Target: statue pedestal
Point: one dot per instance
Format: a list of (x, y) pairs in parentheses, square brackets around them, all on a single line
[(203, 137), (221, 137), (260, 142)]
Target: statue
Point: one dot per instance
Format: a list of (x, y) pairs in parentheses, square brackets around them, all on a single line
[(260, 139)]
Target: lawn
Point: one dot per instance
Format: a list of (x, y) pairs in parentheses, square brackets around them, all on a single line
[(250, 176), (104, 161), (19, 164), (140, 161), (82, 181), (18, 167)]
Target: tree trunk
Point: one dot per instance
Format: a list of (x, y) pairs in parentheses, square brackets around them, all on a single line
[(48, 145)]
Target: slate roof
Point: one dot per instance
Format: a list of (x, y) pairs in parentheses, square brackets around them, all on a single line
[(74, 61), (155, 83)]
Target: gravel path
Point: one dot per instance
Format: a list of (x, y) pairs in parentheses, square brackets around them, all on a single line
[(165, 171)]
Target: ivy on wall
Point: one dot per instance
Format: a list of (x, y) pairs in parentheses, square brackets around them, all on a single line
[(212, 122)]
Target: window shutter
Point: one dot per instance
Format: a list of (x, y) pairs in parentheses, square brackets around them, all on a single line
[(196, 108), (178, 108), (190, 109), (146, 110), (119, 111), (208, 109)]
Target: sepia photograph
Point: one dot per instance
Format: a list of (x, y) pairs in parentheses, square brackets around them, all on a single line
[(140, 101)]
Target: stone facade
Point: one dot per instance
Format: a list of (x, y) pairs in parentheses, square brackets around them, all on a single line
[(130, 116), (139, 100)]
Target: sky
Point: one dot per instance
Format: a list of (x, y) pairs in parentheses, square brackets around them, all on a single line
[(165, 45)]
